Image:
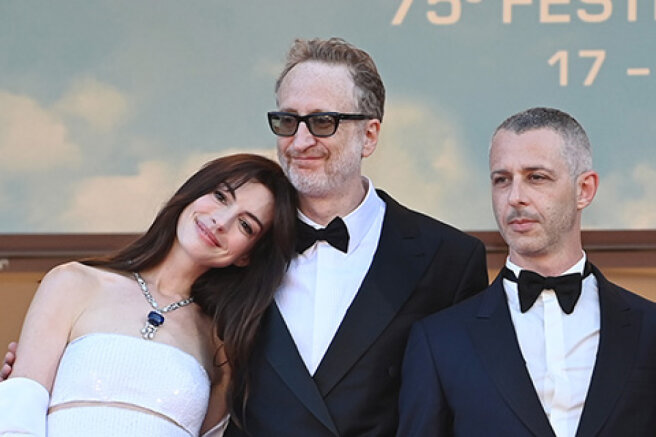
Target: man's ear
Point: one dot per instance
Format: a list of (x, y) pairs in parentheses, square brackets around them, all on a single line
[(586, 188), (242, 261), (372, 130)]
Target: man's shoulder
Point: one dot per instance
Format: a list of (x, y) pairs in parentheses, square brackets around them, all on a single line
[(631, 298), (636, 299), (638, 302), (424, 222), (462, 312)]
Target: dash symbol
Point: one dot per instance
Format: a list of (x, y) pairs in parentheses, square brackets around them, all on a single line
[(638, 71)]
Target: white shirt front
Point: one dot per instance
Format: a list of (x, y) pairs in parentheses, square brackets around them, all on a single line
[(322, 282), (559, 349)]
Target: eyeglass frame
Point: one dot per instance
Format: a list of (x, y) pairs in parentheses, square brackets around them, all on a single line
[(337, 116)]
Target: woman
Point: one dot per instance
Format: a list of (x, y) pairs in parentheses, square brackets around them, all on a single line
[(152, 340)]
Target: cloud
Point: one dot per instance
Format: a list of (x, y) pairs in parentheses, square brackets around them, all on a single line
[(424, 162), (101, 105), (626, 199), (129, 203), (197, 160), (421, 159), (641, 212), (119, 203), (32, 138)]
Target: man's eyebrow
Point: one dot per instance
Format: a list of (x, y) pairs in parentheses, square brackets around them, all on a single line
[(498, 172), (537, 168), (530, 169), (525, 169)]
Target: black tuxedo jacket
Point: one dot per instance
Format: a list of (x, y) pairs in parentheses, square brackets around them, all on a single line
[(420, 266), (464, 374)]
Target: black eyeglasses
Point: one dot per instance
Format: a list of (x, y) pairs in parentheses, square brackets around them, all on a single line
[(320, 124)]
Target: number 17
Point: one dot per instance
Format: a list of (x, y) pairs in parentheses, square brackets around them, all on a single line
[(562, 57)]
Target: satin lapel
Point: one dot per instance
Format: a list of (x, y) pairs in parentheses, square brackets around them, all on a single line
[(398, 263), (282, 354), (618, 343), (494, 338)]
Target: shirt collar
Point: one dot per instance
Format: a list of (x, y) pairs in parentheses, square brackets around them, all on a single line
[(576, 268), (510, 287), (359, 221)]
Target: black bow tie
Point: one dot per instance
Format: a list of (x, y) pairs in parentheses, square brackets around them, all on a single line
[(334, 234), (531, 284)]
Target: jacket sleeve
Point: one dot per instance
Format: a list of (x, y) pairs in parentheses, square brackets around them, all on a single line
[(423, 409), (474, 276)]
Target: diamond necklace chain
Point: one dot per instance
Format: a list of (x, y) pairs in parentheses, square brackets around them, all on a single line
[(155, 318), (153, 303)]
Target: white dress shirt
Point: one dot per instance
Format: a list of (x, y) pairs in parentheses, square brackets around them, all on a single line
[(322, 282), (559, 349)]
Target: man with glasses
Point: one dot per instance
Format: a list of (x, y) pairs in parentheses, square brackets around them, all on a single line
[(330, 348)]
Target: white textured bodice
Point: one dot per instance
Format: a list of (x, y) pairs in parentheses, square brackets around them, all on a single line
[(100, 368)]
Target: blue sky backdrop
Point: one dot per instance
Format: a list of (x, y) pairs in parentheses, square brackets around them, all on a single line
[(107, 106)]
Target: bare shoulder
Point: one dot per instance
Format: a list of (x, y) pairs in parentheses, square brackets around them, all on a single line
[(57, 303), (72, 279), (72, 271)]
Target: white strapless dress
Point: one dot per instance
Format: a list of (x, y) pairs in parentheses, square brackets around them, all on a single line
[(168, 387)]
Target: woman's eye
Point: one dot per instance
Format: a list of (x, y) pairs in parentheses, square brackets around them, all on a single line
[(246, 227), (218, 194)]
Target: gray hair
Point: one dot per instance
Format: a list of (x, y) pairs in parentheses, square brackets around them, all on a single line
[(576, 146), (369, 88)]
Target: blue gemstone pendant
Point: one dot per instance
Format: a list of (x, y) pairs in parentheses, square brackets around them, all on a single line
[(154, 320)]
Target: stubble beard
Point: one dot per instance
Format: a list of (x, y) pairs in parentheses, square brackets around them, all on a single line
[(549, 235), (327, 180)]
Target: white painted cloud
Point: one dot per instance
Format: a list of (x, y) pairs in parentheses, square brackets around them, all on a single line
[(641, 212), (197, 160), (120, 203), (421, 160), (32, 138), (626, 199), (101, 105)]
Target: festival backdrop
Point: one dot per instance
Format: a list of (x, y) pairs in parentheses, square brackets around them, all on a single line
[(106, 106)]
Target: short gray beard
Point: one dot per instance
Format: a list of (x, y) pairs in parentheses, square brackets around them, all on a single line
[(337, 173)]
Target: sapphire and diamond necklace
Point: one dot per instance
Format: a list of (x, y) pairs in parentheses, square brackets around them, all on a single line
[(156, 317)]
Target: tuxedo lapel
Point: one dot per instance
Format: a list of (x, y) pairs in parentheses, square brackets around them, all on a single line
[(618, 343), (494, 338), (281, 352), (398, 263)]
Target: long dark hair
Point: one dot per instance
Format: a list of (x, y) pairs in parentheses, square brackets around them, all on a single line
[(235, 297)]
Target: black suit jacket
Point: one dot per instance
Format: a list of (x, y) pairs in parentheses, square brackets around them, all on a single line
[(420, 266), (464, 374)]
